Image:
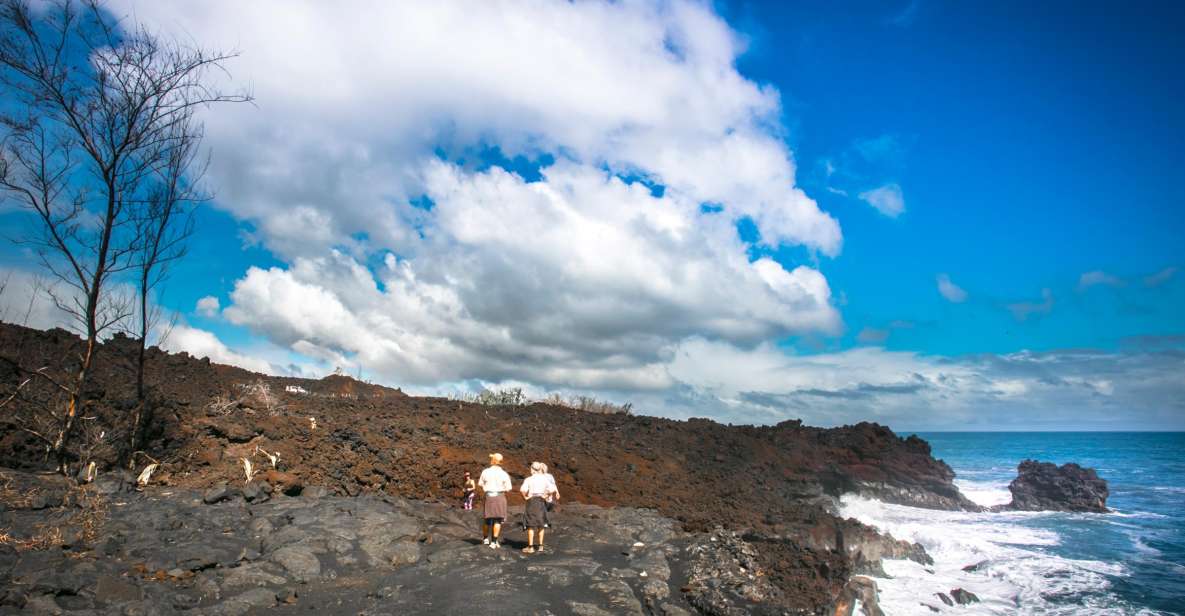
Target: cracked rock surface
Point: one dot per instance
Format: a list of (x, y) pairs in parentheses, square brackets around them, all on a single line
[(169, 551)]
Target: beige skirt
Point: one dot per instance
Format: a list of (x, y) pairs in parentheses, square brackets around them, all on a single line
[(495, 507)]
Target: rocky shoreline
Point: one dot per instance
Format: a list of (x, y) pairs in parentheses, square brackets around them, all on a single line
[(750, 512)]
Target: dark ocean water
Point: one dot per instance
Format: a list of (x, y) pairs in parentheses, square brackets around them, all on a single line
[(1128, 562)]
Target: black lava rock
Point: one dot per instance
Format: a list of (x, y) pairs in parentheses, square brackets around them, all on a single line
[(963, 597), (1044, 486), (219, 493)]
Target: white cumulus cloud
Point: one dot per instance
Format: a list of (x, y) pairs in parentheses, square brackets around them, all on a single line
[(351, 103), (616, 277), (361, 166), (201, 343)]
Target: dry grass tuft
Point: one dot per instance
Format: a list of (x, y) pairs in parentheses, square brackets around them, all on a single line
[(81, 515), (249, 398)]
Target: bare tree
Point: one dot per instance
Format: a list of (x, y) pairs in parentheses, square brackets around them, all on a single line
[(99, 116), (164, 226)]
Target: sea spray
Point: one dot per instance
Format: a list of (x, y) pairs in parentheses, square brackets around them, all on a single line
[(1130, 561), (1011, 571)]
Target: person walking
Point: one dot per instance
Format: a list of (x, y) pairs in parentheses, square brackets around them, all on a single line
[(554, 498), (494, 483), (538, 489), (469, 492)]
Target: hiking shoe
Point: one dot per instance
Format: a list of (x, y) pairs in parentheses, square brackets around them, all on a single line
[(494, 545), (485, 541)]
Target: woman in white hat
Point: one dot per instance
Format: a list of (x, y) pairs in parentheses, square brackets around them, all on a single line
[(494, 483), (538, 489)]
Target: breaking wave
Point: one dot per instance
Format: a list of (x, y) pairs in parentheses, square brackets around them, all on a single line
[(1012, 559)]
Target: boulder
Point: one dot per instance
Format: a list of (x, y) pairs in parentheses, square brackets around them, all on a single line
[(219, 493), (255, 493), (284, 482), (963, 597), (1044, 486)]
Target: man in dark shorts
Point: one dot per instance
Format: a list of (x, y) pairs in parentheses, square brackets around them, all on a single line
[(494, 483), (538, 489)]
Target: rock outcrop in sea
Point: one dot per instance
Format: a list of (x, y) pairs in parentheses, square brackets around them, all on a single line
[(1044, 486)]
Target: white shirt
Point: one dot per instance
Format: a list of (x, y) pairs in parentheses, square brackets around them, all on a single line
[(494, 479), (537, 485)]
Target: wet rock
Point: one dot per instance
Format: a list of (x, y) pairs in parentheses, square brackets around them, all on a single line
[(963, 597), (861, 590), (863, 545), (945, 598), (976, 567), (1044, 486)]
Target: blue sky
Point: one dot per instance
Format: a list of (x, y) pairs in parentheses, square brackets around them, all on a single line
[(934, 215), (1033, 142)]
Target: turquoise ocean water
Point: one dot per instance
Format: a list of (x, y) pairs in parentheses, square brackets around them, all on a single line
[(1128, 562)]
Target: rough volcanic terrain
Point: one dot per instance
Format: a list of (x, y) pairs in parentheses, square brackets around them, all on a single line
[(774, 486), (170, 550)]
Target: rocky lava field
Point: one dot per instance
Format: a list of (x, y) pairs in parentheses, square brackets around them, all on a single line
[(771, 491)]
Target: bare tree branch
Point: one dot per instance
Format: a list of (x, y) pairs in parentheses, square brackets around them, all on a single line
[(99, 146)]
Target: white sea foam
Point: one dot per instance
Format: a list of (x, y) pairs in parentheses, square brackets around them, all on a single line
[(986, 493), (1018, 574), (1115, 513)]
